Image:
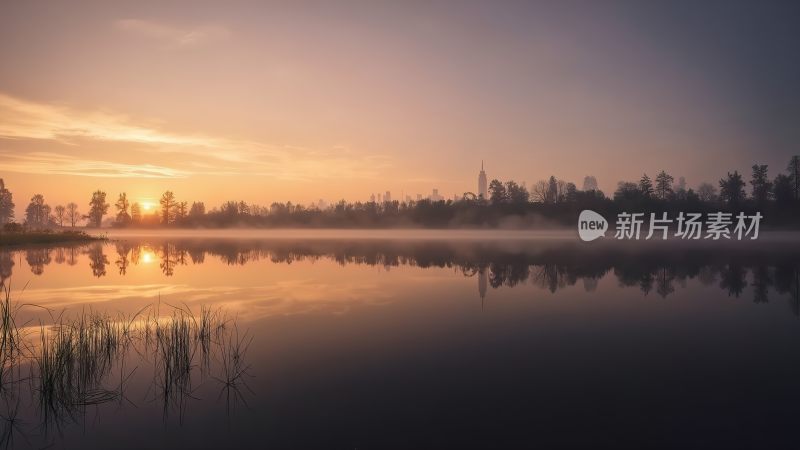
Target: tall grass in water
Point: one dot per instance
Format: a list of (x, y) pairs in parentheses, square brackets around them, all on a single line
[(73, 361), (176, 343), (72, 364), (11, 351), (10, 338), (235, 369), (211, 328), (75, 358)]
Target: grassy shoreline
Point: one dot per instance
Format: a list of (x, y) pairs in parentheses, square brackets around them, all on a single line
[(45, 237)]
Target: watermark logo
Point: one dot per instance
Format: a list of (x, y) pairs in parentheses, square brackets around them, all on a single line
[(591, 225), (714, 226)]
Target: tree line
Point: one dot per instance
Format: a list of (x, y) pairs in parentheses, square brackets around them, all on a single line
[(552, 201)]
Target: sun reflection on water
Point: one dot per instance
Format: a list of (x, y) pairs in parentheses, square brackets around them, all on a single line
[(147, 256)]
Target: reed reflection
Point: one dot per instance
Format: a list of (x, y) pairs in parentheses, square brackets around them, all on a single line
[(53, 375)]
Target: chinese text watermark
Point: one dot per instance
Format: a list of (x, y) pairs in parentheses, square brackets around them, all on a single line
[(714, 226)]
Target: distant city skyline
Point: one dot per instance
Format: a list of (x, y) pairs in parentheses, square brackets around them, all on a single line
[(150, 206), (435, 195)]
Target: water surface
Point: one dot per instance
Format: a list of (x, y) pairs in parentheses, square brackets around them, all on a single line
[(472, 339)]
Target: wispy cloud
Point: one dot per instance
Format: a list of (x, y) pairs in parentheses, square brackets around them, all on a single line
[(29, 120), (171, 35), (59, 164), (24, 120)]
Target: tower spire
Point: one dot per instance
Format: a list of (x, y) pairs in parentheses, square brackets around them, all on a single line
[(482, 185)]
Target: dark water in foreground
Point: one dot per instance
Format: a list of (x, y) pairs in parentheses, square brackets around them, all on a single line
[(429, 343)]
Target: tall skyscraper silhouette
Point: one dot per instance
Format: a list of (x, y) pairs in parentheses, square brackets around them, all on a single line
[(483, 187)]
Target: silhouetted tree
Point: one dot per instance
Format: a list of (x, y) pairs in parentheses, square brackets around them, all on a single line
[(167, 206), (794, 175), (646, 186), (680, 189), (122, 205), (762, 187), (627, 191), (136, 213), (663, 186), (198, 209), (706, 192), (783, 190), (572, 191), (231, 208), (72, 214), (37, 214), (731, 189), (497, 192), (60, 213), (6, 204), (517, 194), (692, 197), (97, 208), (561, 190), (539, 192), (181, 210)]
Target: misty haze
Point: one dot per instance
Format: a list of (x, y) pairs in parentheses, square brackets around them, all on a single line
[(353, 224)]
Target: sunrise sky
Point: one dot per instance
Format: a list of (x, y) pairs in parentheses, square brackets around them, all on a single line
[(307, 100)]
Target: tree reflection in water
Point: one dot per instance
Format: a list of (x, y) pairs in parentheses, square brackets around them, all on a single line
[(769, 267)]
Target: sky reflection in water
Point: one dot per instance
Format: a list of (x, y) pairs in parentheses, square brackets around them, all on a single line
[(424, 342)]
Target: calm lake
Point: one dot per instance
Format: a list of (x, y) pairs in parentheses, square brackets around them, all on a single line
[(404, 340)]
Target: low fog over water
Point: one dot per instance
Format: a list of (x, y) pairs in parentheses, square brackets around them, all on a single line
[(345, 234)]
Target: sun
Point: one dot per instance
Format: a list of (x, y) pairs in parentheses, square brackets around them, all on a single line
[(147, 206)]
